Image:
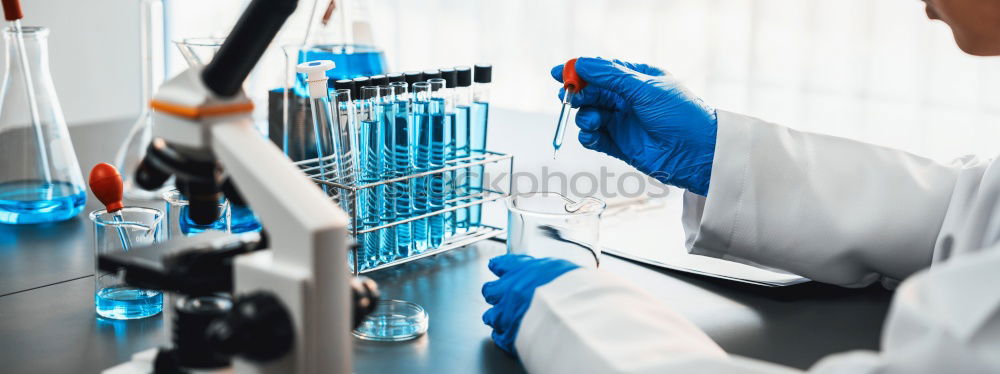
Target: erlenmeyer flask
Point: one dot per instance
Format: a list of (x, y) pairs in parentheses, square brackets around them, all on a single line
[(133, 149), (40, 180)]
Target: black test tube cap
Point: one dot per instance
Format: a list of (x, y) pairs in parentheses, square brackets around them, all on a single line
[(358, 83), (431, 74), (379, 80), (450, 76), (463, 76), (395, 77), (345, 84), (412, 77), (483, 73)]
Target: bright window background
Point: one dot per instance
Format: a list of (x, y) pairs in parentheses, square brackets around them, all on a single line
[(874, 70)]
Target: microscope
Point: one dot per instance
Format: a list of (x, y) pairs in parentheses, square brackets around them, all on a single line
[(276, 302)]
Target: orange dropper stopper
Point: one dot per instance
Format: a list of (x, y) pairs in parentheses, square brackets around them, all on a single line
[(106, 184), (12, 10), (571, 80)]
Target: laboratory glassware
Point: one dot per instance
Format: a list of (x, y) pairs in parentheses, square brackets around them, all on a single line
[(548, 224), (463, 117), (421, 148), (482, 76), (180, 224), (323, 123), (112, 297), (40, 180), (346, 142), (439, 137), (402, 164), (393, 321), (369, 162), (133, 149), (571, 85), (386, 115)]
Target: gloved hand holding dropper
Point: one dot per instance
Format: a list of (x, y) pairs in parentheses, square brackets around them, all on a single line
[(645, 117)]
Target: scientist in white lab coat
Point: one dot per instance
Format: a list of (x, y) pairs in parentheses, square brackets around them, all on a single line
[(834, 210)]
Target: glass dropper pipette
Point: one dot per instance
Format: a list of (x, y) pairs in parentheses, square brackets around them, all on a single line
[(571, 85)]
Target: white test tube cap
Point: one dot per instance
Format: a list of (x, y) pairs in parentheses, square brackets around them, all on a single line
[(315, 72)]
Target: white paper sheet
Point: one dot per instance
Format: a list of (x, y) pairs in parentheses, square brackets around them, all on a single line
[(650, 232)]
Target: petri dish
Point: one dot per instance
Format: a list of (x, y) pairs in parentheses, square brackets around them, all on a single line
[(393, 321)]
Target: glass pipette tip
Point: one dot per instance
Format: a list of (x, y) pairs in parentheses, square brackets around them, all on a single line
[(564, 115)]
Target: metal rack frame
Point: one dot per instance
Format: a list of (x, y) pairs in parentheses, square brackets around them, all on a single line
[(314, 169)]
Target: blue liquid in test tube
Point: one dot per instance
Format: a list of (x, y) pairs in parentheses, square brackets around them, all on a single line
[(482, 76), (369, 203), (421, 162), (477, 137), (386, 192), (461, 135), (402, 164), (439, 143)]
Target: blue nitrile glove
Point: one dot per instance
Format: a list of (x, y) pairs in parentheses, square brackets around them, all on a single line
[(645, 117), (511, 295)]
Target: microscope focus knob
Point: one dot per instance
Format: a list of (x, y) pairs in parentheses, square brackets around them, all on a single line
[(258, 328)]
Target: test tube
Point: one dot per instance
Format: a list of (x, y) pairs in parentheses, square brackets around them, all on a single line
[(463, 102), (386, 115), (346, 141), (420, 150), (482, 77), (369, 204), (439, 139), (402, 164)]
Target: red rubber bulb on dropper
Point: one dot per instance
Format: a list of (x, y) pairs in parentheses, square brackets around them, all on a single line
[(106, 184), (12, 10), (572, 81)]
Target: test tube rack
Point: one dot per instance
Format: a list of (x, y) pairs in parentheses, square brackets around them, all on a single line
[(313, 168)]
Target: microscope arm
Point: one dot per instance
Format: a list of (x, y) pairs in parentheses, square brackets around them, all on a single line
[(307, 264)]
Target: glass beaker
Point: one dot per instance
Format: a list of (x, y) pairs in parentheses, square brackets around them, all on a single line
[(548, 224), (135, 227), (40, 180)]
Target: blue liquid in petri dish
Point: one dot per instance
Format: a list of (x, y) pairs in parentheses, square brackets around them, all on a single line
[(123, 302), (242, 219), (35, 201), (351, 60)]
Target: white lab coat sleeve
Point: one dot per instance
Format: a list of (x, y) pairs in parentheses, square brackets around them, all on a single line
[(942, 320), (587, 321), (831, 209)]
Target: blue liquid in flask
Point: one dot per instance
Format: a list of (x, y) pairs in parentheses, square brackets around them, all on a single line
[(124, 302), (35, 201)]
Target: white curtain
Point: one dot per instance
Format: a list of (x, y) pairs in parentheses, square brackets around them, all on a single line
[(874, 70)]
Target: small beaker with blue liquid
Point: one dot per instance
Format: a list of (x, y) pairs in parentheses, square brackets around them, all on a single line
[(128, 228), (232, 218)]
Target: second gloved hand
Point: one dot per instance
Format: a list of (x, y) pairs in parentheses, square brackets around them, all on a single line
[(511, 295), (645, 117)]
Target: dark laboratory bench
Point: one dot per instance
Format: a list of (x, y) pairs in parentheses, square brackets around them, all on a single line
[(48, 325)]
